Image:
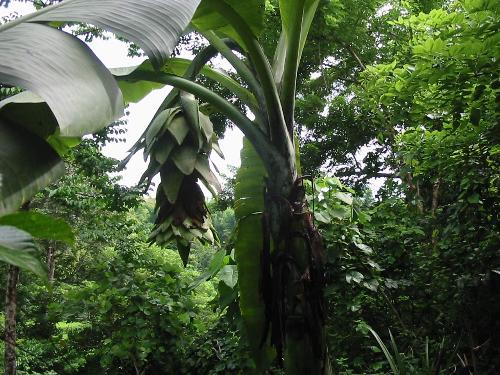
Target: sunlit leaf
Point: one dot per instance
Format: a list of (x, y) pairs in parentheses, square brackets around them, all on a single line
[(229, 275), (354, 276)]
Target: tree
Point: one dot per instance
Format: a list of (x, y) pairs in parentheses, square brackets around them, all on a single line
[(433, 231), (278, 250)]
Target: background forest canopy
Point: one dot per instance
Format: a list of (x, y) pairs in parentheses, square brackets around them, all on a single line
[(407, 92)]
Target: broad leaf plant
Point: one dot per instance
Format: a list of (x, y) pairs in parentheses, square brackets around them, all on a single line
[(70, 93)]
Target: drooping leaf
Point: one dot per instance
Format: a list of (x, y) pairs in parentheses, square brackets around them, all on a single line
[(27, 164), (18, 248), (154, 25), (191, 111), (162, 149), (203, 167), (248, 207), (252, 11), (190, 108), (155, 128), (40, 226), (184, 248), (179, 128), (64, 72), (206, 126), (216, 148)]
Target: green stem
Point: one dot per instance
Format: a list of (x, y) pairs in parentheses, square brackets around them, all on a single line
[(198, 65), (279, 133), (290, 68), (240, 67), (279, 61), (192, 71), (243, 70)]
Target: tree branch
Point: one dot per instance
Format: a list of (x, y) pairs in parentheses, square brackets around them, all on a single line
[(367, 175), (351, 51)]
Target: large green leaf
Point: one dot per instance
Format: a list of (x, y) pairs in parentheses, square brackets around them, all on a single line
[(27, 164), (18, 248), (40, 226), (32, 113), (252, 11), (249, 195), (63, 71), (155, 25), (292, 27)]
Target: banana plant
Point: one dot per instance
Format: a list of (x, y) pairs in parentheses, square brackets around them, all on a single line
[(279, 251)]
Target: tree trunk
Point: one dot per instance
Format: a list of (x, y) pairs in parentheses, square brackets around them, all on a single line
[(10, 321), (296, 306), (292, 259), (435, 196), (51, 262)]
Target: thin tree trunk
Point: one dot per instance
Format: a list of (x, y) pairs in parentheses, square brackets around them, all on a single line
[(435, 196), (51, 262), (10, 321)]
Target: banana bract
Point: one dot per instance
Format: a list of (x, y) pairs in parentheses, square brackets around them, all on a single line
[(178, 143)]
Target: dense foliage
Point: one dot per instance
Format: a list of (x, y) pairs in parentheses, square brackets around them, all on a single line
[(406, 92)]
